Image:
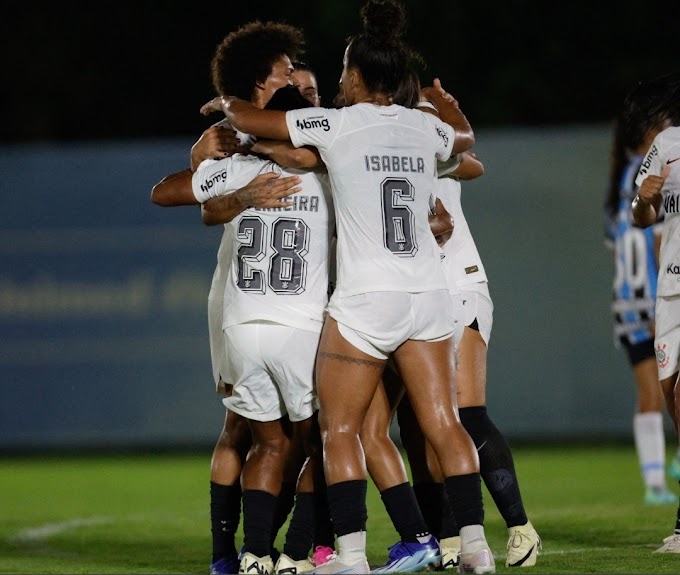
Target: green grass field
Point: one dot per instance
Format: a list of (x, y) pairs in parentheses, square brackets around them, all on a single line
[(150, 514)]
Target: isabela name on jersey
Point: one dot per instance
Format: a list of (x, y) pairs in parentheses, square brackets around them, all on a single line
[(394, 164), (300, 204)]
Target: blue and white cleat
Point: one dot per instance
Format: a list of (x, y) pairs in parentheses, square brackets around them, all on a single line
[(226, 566), (407, 557)]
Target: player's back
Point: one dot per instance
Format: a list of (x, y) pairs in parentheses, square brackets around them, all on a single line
[(280, 258), (381, 161)]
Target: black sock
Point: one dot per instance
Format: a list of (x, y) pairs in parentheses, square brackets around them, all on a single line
[(465, 497), (300, 534), (496, 464), (402, 507), (284, 504), (323, 527), (430, 496), (225, 514), (347, 505), (449, 527), (258, 518)]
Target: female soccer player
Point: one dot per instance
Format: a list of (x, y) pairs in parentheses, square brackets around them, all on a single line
[(391, 295)]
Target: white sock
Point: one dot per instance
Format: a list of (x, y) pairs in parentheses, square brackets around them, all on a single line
[(650, 444), (471, 533), (352, 547)]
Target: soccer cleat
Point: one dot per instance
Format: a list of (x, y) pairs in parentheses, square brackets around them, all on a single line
[(254, 565), (226, 566), (407, 557), (336, 565), (674, 467), (322, 555), (287, 566), (671, 544), (523, 546), (660, 496), (450, 547), (476, 557)]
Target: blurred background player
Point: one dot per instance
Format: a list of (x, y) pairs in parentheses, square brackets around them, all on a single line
[(636, 253), (658, 182)]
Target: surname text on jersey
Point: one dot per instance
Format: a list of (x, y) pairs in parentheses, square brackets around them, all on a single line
[(395, 164), (300, 204)]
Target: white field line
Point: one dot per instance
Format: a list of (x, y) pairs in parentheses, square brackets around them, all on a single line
[(41, 533)]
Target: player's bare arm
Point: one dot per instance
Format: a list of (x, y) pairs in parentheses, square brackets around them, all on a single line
[(218, 141), (249, 119), (267, 190), (470, 167), (450, 112), (647, 202), (287, 155), (174, 190), (441, 223)]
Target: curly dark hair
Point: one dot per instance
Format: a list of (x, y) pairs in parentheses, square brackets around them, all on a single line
[(379, 52), (246, 56)]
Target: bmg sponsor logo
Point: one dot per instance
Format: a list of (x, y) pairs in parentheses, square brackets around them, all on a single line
[(316, 122)]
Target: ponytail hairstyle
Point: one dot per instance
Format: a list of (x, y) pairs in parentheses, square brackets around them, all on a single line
[(379, 52)]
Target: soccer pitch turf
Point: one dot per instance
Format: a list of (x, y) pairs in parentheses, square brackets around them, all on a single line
[(150, 514)]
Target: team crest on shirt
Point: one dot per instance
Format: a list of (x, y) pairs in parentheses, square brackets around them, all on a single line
[(313, 122), (662, 358)]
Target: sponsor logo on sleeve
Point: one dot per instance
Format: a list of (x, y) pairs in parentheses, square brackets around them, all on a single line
[(315, 122), (443, 135), (644, 168), (671, 161), (219, 177)]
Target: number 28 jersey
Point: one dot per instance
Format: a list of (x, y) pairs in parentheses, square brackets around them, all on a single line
[(381, 162), (278, 257)]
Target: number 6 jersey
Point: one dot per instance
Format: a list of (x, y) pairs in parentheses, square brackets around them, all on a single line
[(278, 258), (381, 163)]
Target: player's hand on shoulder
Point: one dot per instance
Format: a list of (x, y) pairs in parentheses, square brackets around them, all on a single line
[(436, 93), (268, 190), (218, 141)]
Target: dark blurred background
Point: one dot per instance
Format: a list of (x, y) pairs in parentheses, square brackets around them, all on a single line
[(103, 315), (73, 70)]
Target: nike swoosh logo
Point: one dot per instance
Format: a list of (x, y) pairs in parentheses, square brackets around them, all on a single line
[(482, 445), (523, 559), (671, 161)]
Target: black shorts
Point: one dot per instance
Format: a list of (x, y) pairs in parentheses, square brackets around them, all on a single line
[(638, 352)]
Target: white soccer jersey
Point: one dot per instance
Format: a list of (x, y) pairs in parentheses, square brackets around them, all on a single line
[(665, 151), (216, 312), (462, 260), (381, 162), (278, 258)]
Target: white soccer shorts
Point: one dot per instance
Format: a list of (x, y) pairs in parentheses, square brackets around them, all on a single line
[(273, 370), (377, 323), (218, 355), (477, 305), (667, 339)]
